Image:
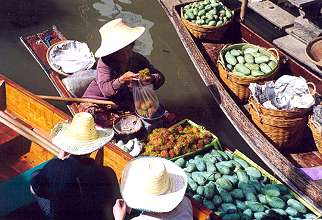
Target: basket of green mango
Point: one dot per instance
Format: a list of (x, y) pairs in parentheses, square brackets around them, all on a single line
[(244, 63), (207, 19)]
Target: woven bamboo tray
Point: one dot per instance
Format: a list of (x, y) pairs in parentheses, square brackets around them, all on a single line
[(316, 130), (238, 85), (206, 32)]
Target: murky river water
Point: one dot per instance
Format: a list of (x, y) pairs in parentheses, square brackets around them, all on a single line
[(183, 93)]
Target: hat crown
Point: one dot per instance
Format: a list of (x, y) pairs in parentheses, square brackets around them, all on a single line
[(82, 127), (116, 35), (156, 178)]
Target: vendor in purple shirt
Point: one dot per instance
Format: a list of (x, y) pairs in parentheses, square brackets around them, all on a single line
[(118, 65)]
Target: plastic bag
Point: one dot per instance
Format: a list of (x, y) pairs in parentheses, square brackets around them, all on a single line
[(145, 100), (77, 83)]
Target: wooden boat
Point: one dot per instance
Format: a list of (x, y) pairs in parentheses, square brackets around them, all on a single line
[(112, 155), (204, 55), (19, 156)]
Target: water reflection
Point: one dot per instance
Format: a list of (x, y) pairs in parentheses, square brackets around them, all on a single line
[(111, 10)]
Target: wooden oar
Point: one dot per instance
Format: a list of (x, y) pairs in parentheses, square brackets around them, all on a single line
[(28, 133), (243, 9), (109, 103)]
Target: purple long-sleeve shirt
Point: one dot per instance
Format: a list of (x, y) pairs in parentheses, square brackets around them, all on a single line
[(107, 84)]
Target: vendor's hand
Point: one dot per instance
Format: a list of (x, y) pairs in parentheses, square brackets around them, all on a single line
[(128, 77), (119, 209), (63, 155)]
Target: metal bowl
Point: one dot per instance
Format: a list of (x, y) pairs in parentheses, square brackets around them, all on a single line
[(127, 124), (314, 52)]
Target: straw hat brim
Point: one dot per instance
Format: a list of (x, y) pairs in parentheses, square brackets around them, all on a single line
[(138, 199), (111, 47), (60, 137)]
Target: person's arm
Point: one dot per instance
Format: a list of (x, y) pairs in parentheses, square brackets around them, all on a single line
[(119, 209), (106, 83)]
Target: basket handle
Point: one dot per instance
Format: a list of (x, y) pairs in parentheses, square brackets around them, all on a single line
[(274, 52), (313, 89)]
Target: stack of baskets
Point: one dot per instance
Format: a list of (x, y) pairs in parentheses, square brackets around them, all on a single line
[(238, 84), (316, 130), (285, 128)]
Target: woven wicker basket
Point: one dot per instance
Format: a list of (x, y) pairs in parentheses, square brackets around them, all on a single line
[(316, 130), (206, 32), (239, 84), (283, 127)]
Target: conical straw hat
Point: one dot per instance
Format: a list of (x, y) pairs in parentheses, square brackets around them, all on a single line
[(116, 35), (153, 184), (80, 136)]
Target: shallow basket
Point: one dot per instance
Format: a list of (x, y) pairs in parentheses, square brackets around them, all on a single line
[(282, 127), (56, 67), (206, 32), (316, 130), (238, 85)]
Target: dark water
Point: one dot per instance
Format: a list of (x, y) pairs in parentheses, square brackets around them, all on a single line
[(183, 93)]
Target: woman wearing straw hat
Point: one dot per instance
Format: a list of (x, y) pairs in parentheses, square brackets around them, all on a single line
[(74, 186), (155, 185), (118, 65)]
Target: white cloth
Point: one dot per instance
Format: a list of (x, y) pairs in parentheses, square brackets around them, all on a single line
[(182, 212), (288, 92), (72, 56)]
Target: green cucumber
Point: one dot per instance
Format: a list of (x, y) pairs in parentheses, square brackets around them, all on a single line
[(241, 68), (216, 200), (253, 172), (275, 202), (272, 64), (296, 205), (292, 211), (265, 68), (249, 58), (224, 183), (250, 50), (261, 59), (252, 66), (241, 59), (230, 59), (255, 206), (235, 52), (229, 208), (257, 73)]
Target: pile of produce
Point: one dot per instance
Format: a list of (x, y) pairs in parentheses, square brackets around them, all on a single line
[(146, 108), (235, 190), (144, 74), (177, 140), (207, 12), (249, 61)]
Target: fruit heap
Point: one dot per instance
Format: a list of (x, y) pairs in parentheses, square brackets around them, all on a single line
[(207, 12), (234, 189), (177, 140), (249, 61)]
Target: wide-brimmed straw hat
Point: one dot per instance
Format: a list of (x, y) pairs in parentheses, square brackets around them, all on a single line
[(116, 35), (80, 136), (153, 184)]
